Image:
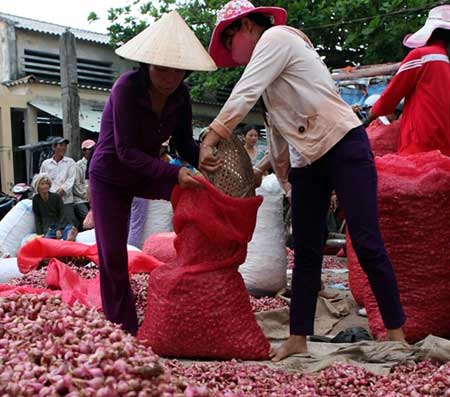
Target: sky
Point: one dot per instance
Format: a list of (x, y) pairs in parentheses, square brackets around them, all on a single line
[(71, 13)]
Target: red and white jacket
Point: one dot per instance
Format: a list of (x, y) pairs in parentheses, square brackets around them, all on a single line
[(423, 79)]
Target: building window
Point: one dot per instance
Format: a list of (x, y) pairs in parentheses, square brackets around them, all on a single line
[(46, 66)]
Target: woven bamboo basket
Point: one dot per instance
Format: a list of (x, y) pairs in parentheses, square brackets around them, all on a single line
[(235, 177)]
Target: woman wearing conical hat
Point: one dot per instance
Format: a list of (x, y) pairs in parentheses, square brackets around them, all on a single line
[(146, 107), (312, 130), (423, 79)]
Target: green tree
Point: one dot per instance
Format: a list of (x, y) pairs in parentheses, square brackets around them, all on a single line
[(345, 32)]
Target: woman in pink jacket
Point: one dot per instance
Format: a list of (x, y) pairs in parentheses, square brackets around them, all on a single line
[(312, 131)]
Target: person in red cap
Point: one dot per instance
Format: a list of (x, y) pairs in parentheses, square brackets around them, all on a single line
[(423, 79), (80, 188), (312, 130)]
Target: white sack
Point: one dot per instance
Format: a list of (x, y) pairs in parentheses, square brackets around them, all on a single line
[(8, 270), (264, 270), (17, 223), (88, 237), (147, 218)]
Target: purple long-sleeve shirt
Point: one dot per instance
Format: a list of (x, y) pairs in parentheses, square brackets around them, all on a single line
[(131, 135)]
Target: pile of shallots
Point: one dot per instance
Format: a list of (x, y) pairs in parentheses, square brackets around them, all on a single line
[(266, 303), (138, 281), (233, 379), (50, 349), (139, 284)]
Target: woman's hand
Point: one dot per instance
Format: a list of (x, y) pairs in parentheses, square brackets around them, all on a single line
[(258, 176), (58, 234), (185, 179), (209, 161)]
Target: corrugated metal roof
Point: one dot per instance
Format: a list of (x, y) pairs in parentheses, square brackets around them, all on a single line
[(90, 112), (31, 79), (52, 28)]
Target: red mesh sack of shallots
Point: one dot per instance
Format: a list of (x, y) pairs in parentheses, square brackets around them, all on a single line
[(198, 306), (160, 246), (383, 138), (414, 210)]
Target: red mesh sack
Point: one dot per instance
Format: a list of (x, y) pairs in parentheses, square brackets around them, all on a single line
[(199, 307), (383, 138), (414, 213), (160, 246)]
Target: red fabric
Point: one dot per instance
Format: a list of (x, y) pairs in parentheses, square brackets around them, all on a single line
[(383, 138), (199, 307), (414, 218), (160, 246), (32, 253), (74, 287), (424, 82), (6, 290)]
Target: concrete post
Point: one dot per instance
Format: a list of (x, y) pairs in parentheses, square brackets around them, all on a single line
[(69, 93), (6, 154)]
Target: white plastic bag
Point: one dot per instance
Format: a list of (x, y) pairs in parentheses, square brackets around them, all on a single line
[(8, 270), (264, 270), (88, 237), (149, 217), (17, 223)]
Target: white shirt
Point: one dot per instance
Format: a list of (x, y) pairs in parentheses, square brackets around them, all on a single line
[(296, 159), (62, 175)]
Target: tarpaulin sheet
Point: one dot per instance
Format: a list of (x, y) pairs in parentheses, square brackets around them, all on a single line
[(32, 253)]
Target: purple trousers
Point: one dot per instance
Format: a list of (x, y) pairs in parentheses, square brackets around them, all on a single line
[(349, 169), (111, 207)]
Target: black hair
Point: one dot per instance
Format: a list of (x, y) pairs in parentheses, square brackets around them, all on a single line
[(442, 35), (145, 76), (248, 128), (262, 20)]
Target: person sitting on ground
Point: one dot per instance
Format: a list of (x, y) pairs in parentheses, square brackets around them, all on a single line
[(254, 151), (48, 209)]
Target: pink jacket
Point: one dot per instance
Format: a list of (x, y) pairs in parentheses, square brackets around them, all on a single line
[(304, 108)]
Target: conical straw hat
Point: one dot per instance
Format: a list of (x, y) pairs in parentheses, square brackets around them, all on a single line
[(168, 42)]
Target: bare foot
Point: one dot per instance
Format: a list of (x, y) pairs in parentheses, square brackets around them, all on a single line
[(396, 335), (294, 344), (72, 234)]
